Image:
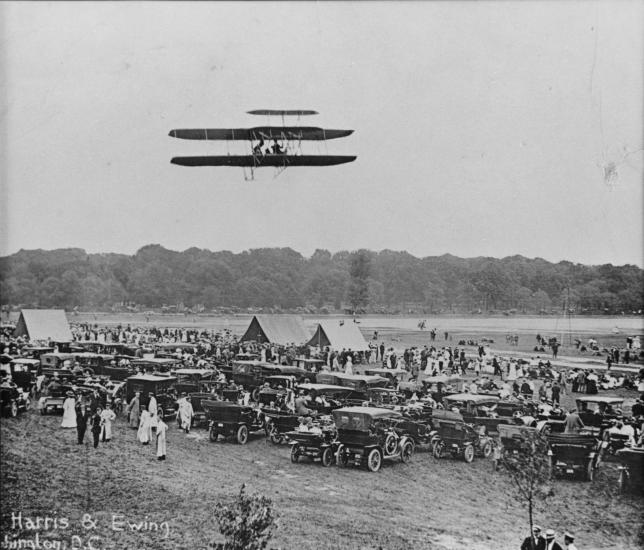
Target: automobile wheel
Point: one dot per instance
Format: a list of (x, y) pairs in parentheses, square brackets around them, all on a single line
[(468, 453), (214, 435), (27, 404), (437, 449), (374, 460), (390, 444), (13, 409), (160, 413), (487, 449), (341, 458), (590, 471), (255, 394), (242, 434), (268, 426), (407, 452), (327, 457), (295, 453), (623, 481), (274, 436)]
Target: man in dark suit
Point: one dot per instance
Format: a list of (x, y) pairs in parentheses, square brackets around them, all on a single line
[(96, 425), (551, 543), (536, 538), (82, 416)]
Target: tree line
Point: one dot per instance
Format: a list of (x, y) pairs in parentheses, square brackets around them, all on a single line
[(283, 279)]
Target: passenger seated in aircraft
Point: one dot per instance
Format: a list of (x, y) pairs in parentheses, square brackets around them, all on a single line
[(277, 150)]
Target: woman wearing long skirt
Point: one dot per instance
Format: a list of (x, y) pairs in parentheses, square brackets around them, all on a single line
[(69, 411), (162, 428), (145, 428), (107, 417), (134, 411)]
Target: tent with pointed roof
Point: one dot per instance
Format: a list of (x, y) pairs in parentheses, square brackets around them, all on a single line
[(276, 329), (338, 335), (43, 324)]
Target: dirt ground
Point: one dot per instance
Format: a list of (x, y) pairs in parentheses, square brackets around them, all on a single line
[(428, 503)]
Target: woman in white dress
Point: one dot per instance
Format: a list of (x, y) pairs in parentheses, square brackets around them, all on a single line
[(348, 367), (107, 416), (145, 428), (69, 411), (162, 428), (512, 373)]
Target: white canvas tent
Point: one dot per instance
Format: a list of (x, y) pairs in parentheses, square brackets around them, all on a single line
[(43, 324), (276, 329), (338, 335)]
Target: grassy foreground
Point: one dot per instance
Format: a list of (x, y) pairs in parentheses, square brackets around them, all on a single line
[(425, 504)]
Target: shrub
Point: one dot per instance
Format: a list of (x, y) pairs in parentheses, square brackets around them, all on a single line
[(246, 523)]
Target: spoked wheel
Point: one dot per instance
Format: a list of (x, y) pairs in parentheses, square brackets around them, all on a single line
[(437, 449), (407, 452), (487, 449), (275, 437), (295, 453), (327, 457), (242, 434), (390, 444), (374, 460), (341, 457), (468, 453), (213, 434), (623, 481), (13, 410)]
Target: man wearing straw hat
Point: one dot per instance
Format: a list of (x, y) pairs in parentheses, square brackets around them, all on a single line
[(535, 542)]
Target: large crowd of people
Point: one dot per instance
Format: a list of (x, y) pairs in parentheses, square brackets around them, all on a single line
[(533, 380)]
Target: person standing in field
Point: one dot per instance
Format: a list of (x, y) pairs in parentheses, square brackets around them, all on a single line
[(145, 428), (162, 428), (82, 416), (107, 417), (134, 410), (69, 411), (97, 426)]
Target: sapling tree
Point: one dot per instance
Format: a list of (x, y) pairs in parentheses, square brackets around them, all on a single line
[(530, 472)]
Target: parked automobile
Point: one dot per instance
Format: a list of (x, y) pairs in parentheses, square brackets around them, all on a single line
[(252, 374), (319, 444), (573, 454), (631, 469), (278, 423), (512, 437), (597, 411), (369, 435), (194, 380), (163, 388), (230, 419), (456, 437), (478, 410), (13, 399)]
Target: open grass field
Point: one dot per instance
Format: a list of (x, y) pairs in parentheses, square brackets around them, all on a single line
[(429, 503)]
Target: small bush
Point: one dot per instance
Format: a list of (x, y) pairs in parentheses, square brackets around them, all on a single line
[(247, 523)]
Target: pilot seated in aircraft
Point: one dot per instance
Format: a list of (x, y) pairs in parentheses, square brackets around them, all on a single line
[(257, 150), (277, 150)]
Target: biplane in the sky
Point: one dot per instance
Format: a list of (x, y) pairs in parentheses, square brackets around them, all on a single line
[(276, 146)]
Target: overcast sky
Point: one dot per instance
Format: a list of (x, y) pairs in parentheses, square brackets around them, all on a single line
[(481, 129)]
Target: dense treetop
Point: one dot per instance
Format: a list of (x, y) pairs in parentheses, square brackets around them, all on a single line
[(282, 279)]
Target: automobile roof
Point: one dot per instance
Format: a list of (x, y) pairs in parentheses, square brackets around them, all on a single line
[(600, 399), (375, 412), (363, 377), (472, 397), (323, 387), (26, 361), (193, 371), (151, 378)]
